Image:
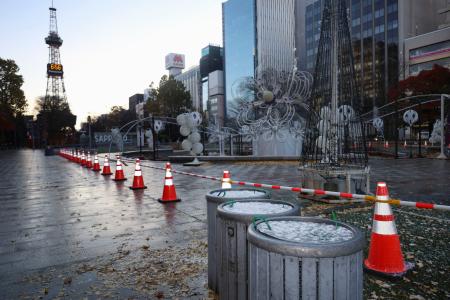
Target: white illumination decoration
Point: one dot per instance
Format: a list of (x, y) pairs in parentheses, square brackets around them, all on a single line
[(271, 110), (189, 123), (159, 125), (436, 133), (117, 138), (378, 124), (410, 117)]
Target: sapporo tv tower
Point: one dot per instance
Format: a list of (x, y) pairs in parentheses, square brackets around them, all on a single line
[(55, 79)]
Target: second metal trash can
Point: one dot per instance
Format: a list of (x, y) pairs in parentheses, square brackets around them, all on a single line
[(213, 199), (305, 258), (232, 250)]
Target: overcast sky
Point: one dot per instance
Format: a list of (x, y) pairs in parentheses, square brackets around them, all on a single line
[(112, 48)]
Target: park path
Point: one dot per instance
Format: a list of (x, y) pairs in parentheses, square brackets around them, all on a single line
[(56, 213)]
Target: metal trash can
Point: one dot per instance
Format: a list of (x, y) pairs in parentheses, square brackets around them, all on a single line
[(305, 258), (213, 199), (232, 249)]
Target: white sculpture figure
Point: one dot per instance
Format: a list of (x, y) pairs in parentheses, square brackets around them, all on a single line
[(117, 138), (149, 135), (158, 125), (378, 124), (189, 123), (410, 117), (345, 114), (436, 133)]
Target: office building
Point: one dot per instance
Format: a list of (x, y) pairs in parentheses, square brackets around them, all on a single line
[(211, 71), (275, 34), (256, 34), (239, 38), (425, 50), (378, 29), (133, 100), (175, 63), (192, 82)]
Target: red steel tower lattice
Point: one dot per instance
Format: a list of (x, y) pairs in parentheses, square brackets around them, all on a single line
[(55, 79)]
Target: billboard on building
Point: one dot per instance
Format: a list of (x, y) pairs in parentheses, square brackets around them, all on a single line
[(174, 60)]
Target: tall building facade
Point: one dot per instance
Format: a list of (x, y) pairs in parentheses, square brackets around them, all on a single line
[(211, 72), (257, 34), (192, 81), (275, 34), (133, 100), (378, 30), (239, 42)]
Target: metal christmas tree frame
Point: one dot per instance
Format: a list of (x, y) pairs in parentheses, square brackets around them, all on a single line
[(335, 153)]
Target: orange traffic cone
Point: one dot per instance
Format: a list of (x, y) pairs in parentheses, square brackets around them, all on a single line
[(96, 166), (385, 253), (138, 180), (226, 180), (106, 168), (119, 176), (386, 145), (83, 159), (88, 161), (169, 193)]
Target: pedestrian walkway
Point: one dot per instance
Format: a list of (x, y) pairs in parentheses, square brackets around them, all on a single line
[(54, 213)]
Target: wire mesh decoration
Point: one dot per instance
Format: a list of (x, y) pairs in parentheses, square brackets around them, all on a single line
[(273, 101), (335, 137)]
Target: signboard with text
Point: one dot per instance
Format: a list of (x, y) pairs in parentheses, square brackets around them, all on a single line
[(174, 60)]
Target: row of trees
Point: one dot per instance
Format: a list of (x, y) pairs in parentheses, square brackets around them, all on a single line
[(55, 123), (434, 81), (169, 99), (12, 104)]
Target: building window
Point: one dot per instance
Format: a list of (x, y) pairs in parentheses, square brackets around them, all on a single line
[(392, 8), (356, 22), (417, 68), (430, 48), (392, 24), (367, 18), (367, 33), (379, 28), (379, 13)]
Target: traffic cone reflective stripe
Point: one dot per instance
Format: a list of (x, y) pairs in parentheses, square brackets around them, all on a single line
[(106, 167), (385, 253), (119, 176), (138, 180), (226, 180), (169, 192), (96, 166), (89, 161)]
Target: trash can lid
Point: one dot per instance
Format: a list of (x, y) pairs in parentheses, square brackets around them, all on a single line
[(256, 207), (306, 237), (222, 195), (247, 211)]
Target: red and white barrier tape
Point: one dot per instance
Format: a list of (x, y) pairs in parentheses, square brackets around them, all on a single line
[(368, 198)]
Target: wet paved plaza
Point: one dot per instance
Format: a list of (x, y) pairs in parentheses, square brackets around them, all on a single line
[(57, 217)]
